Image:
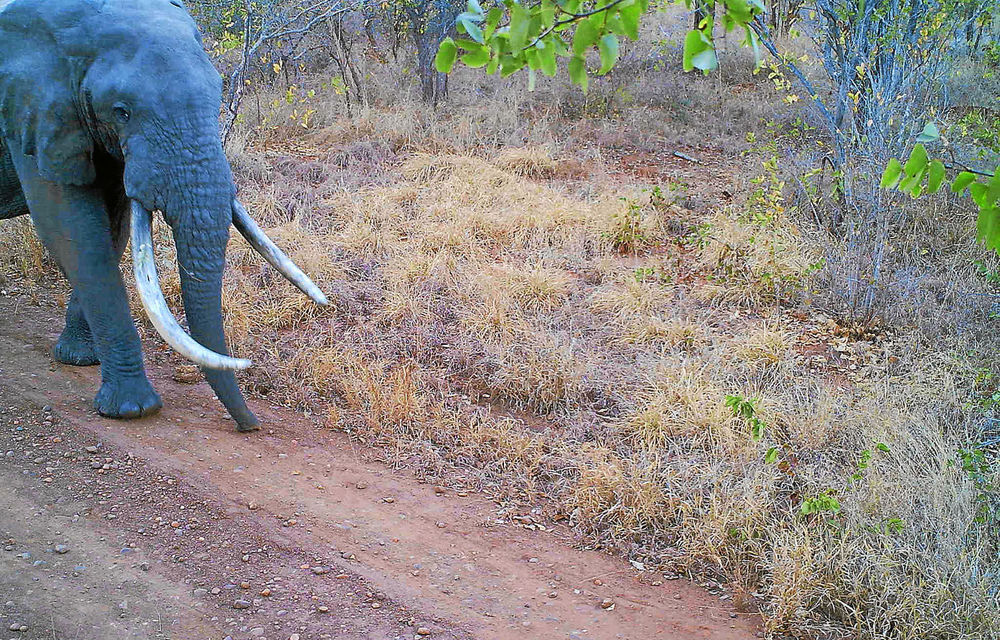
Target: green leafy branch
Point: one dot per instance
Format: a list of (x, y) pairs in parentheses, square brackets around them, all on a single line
[(921, 175), (514, 35)]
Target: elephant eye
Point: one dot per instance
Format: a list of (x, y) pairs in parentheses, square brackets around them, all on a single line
[(122, 114)]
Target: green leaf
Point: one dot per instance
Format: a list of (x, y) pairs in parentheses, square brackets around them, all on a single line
[(531, 79), (585, 37), (962, 181), (917, 161), (891, 175), (474, 7), (978, 191), (492, 20), (609, 52), (466, 24), (988, 227), (446, 56), (696, 43), (468, 44), (630, 19), (547, 13), (993, 194), (520, 24), (929, 134), (547, 59), (771, 456), (578, 72), (754, 43), (706, 60), (560, 46), (909, 183), (509, 65), (935, 176), (477, 58), (614, 25)]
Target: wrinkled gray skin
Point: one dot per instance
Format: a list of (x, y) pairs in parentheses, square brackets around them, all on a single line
[(102, 102)]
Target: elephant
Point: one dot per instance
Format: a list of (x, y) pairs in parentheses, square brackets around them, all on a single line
[(109, 112)]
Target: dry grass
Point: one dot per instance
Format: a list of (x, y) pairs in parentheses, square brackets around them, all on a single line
[(484, 320)]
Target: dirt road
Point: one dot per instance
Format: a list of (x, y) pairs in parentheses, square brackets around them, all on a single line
[(176, 526)]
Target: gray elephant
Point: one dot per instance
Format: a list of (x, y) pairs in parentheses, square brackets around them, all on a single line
[(108, 112)]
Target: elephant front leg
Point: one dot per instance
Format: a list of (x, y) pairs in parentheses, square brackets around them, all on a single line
[(76, 344), (74, 224), (97, 285)]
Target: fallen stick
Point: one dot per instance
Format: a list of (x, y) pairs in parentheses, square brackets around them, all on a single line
[(685, 156)]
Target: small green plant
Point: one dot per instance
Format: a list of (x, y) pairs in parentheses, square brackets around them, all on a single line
[(675, 193), (976, 465), (991, 276), (864, 460), (746, 410), (626, 234), (699, 237), (825, 502), (893, 526)]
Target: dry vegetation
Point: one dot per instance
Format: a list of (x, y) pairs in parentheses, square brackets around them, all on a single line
[(560, 333)]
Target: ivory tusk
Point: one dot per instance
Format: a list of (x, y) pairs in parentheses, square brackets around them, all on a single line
[(275, 256), (148, 284)]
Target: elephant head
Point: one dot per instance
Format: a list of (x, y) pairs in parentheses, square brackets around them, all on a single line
[(126, 83)]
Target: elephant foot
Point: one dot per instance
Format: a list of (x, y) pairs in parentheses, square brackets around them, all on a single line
[(247, 423), (127, 398), (75, 350)]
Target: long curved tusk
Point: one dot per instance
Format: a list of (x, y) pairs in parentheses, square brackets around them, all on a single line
[(148, 284), (266, 247)]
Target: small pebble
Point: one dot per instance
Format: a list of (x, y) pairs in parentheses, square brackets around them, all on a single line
[(241, 604), (423, 631), (61, 549)]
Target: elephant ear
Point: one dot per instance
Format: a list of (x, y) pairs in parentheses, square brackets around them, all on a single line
[(38, 104)]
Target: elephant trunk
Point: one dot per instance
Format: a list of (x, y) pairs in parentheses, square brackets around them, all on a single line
[(201, 256)]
